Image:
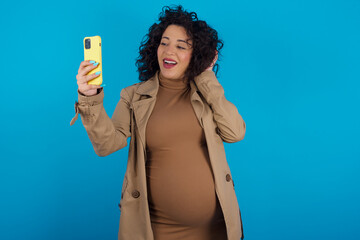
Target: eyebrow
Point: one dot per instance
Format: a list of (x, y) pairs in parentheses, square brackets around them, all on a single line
[(179, 40)]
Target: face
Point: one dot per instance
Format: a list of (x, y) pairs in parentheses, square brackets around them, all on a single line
[(174, 52)]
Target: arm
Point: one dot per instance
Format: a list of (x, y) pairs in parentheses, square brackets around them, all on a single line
[(230, 125), (106, 135)]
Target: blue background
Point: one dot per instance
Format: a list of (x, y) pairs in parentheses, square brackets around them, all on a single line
[(291, 68)]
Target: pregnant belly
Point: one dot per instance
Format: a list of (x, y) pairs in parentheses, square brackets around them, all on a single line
[(181, 189)]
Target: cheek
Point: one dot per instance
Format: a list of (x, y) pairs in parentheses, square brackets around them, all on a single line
[(186, 58), (159, 52)]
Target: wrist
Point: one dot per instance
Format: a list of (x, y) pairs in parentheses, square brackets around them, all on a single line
[(91, 100), (89, 93)]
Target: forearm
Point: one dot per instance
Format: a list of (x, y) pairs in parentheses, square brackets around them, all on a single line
[(106, 135), (231, 126)]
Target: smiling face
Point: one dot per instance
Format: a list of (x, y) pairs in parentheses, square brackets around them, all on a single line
[(174, 52)]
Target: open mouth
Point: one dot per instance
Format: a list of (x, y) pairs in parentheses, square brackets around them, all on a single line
[(169, 63)]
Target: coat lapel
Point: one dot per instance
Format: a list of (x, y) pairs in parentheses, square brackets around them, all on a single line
[(197, 103), (144, 106)]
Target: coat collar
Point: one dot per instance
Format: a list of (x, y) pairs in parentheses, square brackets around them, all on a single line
[(149, 87)]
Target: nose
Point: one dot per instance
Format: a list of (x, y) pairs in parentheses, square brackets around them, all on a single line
[(169, 49)]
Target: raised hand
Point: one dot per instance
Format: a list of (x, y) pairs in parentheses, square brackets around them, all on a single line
[(82, 78)]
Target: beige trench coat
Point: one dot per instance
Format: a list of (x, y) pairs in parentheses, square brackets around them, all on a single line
[(217, 116)]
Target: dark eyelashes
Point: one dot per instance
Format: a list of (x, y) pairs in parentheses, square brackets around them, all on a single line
[(164, 44)]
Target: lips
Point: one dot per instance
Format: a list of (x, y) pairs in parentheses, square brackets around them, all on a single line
[(169, 63)]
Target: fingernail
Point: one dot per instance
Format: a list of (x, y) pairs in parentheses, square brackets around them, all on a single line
[(92, 61), (97, 73), (102, 85), (95, 64)]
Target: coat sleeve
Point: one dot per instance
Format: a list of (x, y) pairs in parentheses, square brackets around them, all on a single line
[(106, 135), (230, 125)]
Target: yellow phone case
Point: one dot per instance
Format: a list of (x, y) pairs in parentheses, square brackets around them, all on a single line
[(92, 51)]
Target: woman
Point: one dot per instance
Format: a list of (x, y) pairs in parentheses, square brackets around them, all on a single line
[(177, 184)]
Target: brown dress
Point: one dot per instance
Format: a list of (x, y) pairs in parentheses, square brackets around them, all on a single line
[(182, 199)]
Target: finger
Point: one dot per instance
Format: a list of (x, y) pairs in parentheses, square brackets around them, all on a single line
[(85, 64), (92, 86), (91, 77), (88, 68), (86, 78)]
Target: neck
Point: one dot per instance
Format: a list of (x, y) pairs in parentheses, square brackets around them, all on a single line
[(181, 83), (161, 77)]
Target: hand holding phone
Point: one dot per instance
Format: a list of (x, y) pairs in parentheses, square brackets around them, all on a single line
[(83, 78), (90, 71), (92, 51)]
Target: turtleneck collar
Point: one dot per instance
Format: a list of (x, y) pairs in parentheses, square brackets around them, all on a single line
[(173, 84)]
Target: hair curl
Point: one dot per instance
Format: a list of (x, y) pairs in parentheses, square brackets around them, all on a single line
[(205, 43)]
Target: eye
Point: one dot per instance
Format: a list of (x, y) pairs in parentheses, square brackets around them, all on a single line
[(164, 44), (180, 47)]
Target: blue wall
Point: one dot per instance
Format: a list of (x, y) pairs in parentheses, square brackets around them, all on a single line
[(291, 68)]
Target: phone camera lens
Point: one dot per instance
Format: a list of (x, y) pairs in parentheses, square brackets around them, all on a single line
[(87, 43)]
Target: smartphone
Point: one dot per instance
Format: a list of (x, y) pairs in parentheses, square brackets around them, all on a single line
[(92, 51)]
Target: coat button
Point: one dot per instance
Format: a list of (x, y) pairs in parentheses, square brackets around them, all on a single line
[(136, 194), (228, 178)]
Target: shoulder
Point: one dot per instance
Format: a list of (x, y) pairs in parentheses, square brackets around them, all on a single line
[(139, 89), (132, 88), (128, 92)]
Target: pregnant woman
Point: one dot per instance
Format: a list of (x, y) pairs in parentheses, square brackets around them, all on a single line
[(177, 184)]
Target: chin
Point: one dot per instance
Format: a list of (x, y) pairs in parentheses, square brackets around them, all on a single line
[(169, 75)]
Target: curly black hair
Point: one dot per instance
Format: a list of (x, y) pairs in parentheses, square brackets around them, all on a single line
[(205, 43)]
